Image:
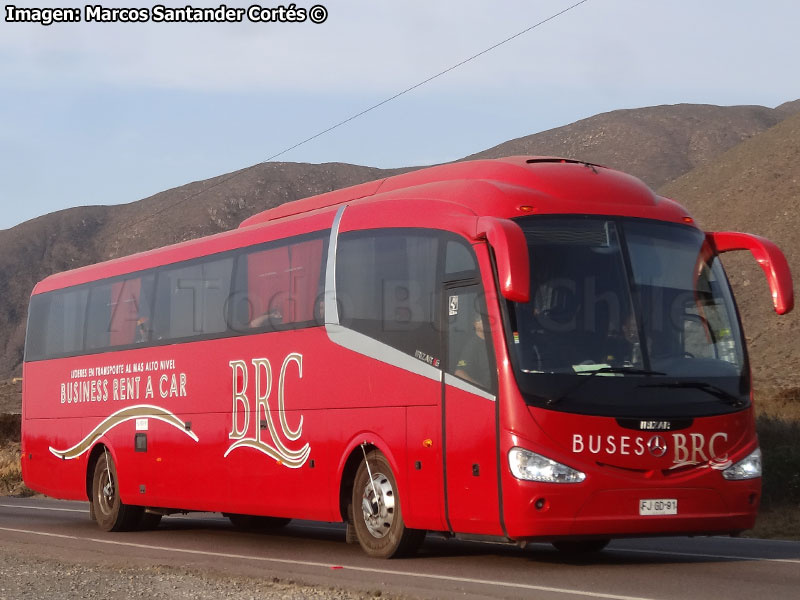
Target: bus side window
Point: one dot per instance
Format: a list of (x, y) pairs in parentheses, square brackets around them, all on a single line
[(469, 351), (99, 324), (386, 283), (216, 289), (130, 310), (278, 285), (56, 324), (191, 300), (42, 316), (268, 286), (305, 263)]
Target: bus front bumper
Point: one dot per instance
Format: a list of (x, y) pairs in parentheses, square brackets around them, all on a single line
[(559, 513)]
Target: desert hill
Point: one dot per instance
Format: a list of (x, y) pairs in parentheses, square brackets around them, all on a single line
[(755, 187), (659, 144)]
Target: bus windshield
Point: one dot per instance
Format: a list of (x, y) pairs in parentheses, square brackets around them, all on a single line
[(627, 317)]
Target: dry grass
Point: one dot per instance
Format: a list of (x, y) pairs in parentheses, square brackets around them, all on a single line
[(777, 525), (10, 469), (778, 424), (10, 472), (781, 403)]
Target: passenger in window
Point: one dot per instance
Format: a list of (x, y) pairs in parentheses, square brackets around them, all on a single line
[(622, 344), (272, 317), (142, 330), (319, 311), (473, 362)]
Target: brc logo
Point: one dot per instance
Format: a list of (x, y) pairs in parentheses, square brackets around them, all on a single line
[(688, 449), (259, 408)]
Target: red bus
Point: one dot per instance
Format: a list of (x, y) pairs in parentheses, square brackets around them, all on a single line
[(521, 349)]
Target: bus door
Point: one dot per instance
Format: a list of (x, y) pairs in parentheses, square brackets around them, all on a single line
[(470, 413)]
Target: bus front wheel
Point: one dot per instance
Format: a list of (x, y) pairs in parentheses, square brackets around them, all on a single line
[(109, 511), (377, 514)]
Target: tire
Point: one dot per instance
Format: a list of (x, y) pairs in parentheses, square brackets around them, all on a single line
[(256, 523), (148, 521), (578, 547), (110, 512), (377, 513)]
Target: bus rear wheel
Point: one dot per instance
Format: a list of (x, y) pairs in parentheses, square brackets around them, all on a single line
[(109, 511), (377, 514)]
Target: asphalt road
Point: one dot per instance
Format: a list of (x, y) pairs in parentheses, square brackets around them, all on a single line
[(316, 554)]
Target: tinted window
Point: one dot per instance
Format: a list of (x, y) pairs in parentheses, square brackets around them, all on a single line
[(131, 304), (98, 326), (118, 312), (643, 305), (469, 348), (36, 335), (192, 299), (386, 285), (279, 285), (459, 258), (56, 323)]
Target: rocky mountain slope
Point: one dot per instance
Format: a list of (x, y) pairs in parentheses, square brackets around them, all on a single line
[(657, 144)]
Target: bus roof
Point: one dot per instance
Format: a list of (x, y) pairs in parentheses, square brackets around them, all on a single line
[(506, 188), (542, 184)]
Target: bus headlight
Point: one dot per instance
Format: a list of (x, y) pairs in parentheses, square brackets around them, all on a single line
[(747, 468), (530, 466)]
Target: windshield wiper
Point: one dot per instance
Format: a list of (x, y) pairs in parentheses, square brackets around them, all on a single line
[(709, 388), (586, 376)]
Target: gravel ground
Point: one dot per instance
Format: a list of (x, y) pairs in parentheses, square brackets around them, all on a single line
[(30, 577)]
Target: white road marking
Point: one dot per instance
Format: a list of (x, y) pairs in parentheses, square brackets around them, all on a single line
[(611, 549), (728, 538), (488, 582), (86, 511), (77, 510), (705, 555)]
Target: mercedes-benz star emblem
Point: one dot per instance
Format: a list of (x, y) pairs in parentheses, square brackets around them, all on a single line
[(657, 446)]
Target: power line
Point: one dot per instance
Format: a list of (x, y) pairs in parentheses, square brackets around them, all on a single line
[(360, 114), (428, 80)]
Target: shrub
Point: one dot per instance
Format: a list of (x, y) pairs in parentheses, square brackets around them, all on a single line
[(781, 460)]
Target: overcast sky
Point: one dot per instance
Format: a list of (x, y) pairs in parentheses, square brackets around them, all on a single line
[(102, 113)]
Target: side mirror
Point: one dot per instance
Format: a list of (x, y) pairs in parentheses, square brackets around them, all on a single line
[(770, 259), (511, 255)]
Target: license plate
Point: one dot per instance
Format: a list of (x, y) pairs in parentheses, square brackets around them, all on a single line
[(660, 506)]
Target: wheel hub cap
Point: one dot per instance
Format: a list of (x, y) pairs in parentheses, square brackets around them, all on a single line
[(378, 505)]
